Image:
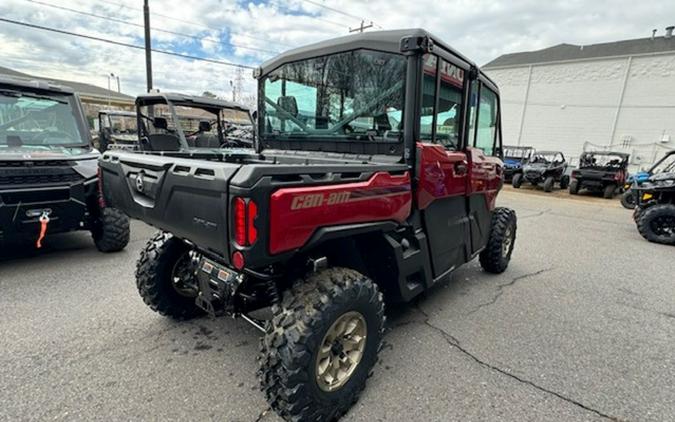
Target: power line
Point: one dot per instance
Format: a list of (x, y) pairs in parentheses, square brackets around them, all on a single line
[(338, 11), (195, 23), (108, 18), (122, 44)]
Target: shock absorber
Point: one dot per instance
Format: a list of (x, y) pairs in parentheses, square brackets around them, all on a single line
[(272, 292)]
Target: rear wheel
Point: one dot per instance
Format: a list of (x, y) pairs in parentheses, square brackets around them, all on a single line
[(111, 230), (321, 345), (657, 224), (628, 199), (496, 256), (608, 192), (548, 184), (564, 182), (517, 180), (574, 187), (165, 277)]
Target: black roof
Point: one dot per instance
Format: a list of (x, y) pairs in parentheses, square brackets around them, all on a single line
[(35, 85), (79, 87), (191, 100), (388, 41), (564, 52)]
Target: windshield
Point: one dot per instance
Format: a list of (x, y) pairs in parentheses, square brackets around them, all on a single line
[(167, 126), (28, 119), (601, 160), (666, 166), (515, 152), (356, 95), (121, 124), (543, 158)]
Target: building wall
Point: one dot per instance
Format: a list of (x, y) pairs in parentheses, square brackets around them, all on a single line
[(572, 106)]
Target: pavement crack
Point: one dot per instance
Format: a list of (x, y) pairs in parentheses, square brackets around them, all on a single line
[(262, 414), (535, 215), (453, 342), (501, 287)]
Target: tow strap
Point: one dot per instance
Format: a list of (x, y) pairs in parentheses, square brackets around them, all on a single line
[(44, 221)]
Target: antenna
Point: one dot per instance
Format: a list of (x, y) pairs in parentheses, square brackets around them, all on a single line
[(361, 27)]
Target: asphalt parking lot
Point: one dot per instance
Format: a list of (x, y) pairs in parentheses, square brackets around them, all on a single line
[(581, 327)]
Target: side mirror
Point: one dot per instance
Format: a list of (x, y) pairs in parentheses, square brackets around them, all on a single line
[(254, 115), (204, 126)]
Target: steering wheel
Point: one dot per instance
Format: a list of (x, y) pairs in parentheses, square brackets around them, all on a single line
[(41, 137)]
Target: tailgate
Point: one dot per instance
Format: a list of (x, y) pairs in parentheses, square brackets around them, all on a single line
[(186, 197)]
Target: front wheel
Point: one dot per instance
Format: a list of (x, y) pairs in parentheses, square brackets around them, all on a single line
[(628, 199), (111, 230), (321, 345), (517, 180), (548, 184), (496, 256), (609, 190), (564, 182), (657, 224), (165, 277)]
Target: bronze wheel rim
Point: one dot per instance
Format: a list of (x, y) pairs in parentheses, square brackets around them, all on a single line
[(341, 351)]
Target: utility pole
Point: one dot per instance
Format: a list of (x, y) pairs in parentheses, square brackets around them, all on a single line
[(148, 45), (361, 27)]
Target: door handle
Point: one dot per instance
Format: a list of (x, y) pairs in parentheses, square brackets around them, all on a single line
[(461, 168)]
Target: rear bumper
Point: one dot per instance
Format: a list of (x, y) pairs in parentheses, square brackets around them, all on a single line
[(67, 206)]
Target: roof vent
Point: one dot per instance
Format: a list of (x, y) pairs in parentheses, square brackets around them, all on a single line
[(669, 31)]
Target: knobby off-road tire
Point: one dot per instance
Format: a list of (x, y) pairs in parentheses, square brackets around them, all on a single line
[(628, 199), (157, 274), (548, 184), (608, 192), (111, 230), (657, 224), (574, 187), (517, 180), (289, 363), (496, 256), (564, 182)]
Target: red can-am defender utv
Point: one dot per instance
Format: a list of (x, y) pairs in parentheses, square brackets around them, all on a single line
[(376, 176)]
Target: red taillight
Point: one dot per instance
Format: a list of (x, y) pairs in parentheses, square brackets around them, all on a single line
[(240, 221), (252, 235), (238, 260), (245, 213)]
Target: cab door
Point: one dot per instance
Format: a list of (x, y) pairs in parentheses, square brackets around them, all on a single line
[(442, 165), (484, 157)]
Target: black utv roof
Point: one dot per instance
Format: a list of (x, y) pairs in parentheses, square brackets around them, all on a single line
[(35, 85), (620, 154), (388, 41), (189, 100)]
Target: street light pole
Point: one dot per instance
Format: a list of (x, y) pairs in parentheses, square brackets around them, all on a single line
[(148, 45)]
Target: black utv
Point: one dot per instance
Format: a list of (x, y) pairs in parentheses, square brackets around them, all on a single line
[(48, 168), (545, 167), (174, 122), (600, 171), (515, 158), (117, 130), (655, 211)]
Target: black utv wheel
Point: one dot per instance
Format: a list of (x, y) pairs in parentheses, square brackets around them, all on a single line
[(564, 182), (657, 224), (517, 180), (548, 184), (321, 345), (111, 230), (165, 277), (628, 200), (497, 254), (574, 187), (608, 192)]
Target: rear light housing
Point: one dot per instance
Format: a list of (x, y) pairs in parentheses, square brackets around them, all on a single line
[(575, 174), (244, 214)]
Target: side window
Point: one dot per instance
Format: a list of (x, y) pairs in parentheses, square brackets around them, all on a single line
[(487, 121), (449, 106), (428, 97)]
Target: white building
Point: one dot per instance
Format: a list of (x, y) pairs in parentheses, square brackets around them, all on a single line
[(618, 96)]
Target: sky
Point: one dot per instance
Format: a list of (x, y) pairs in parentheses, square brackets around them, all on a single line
[(249, 32)]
